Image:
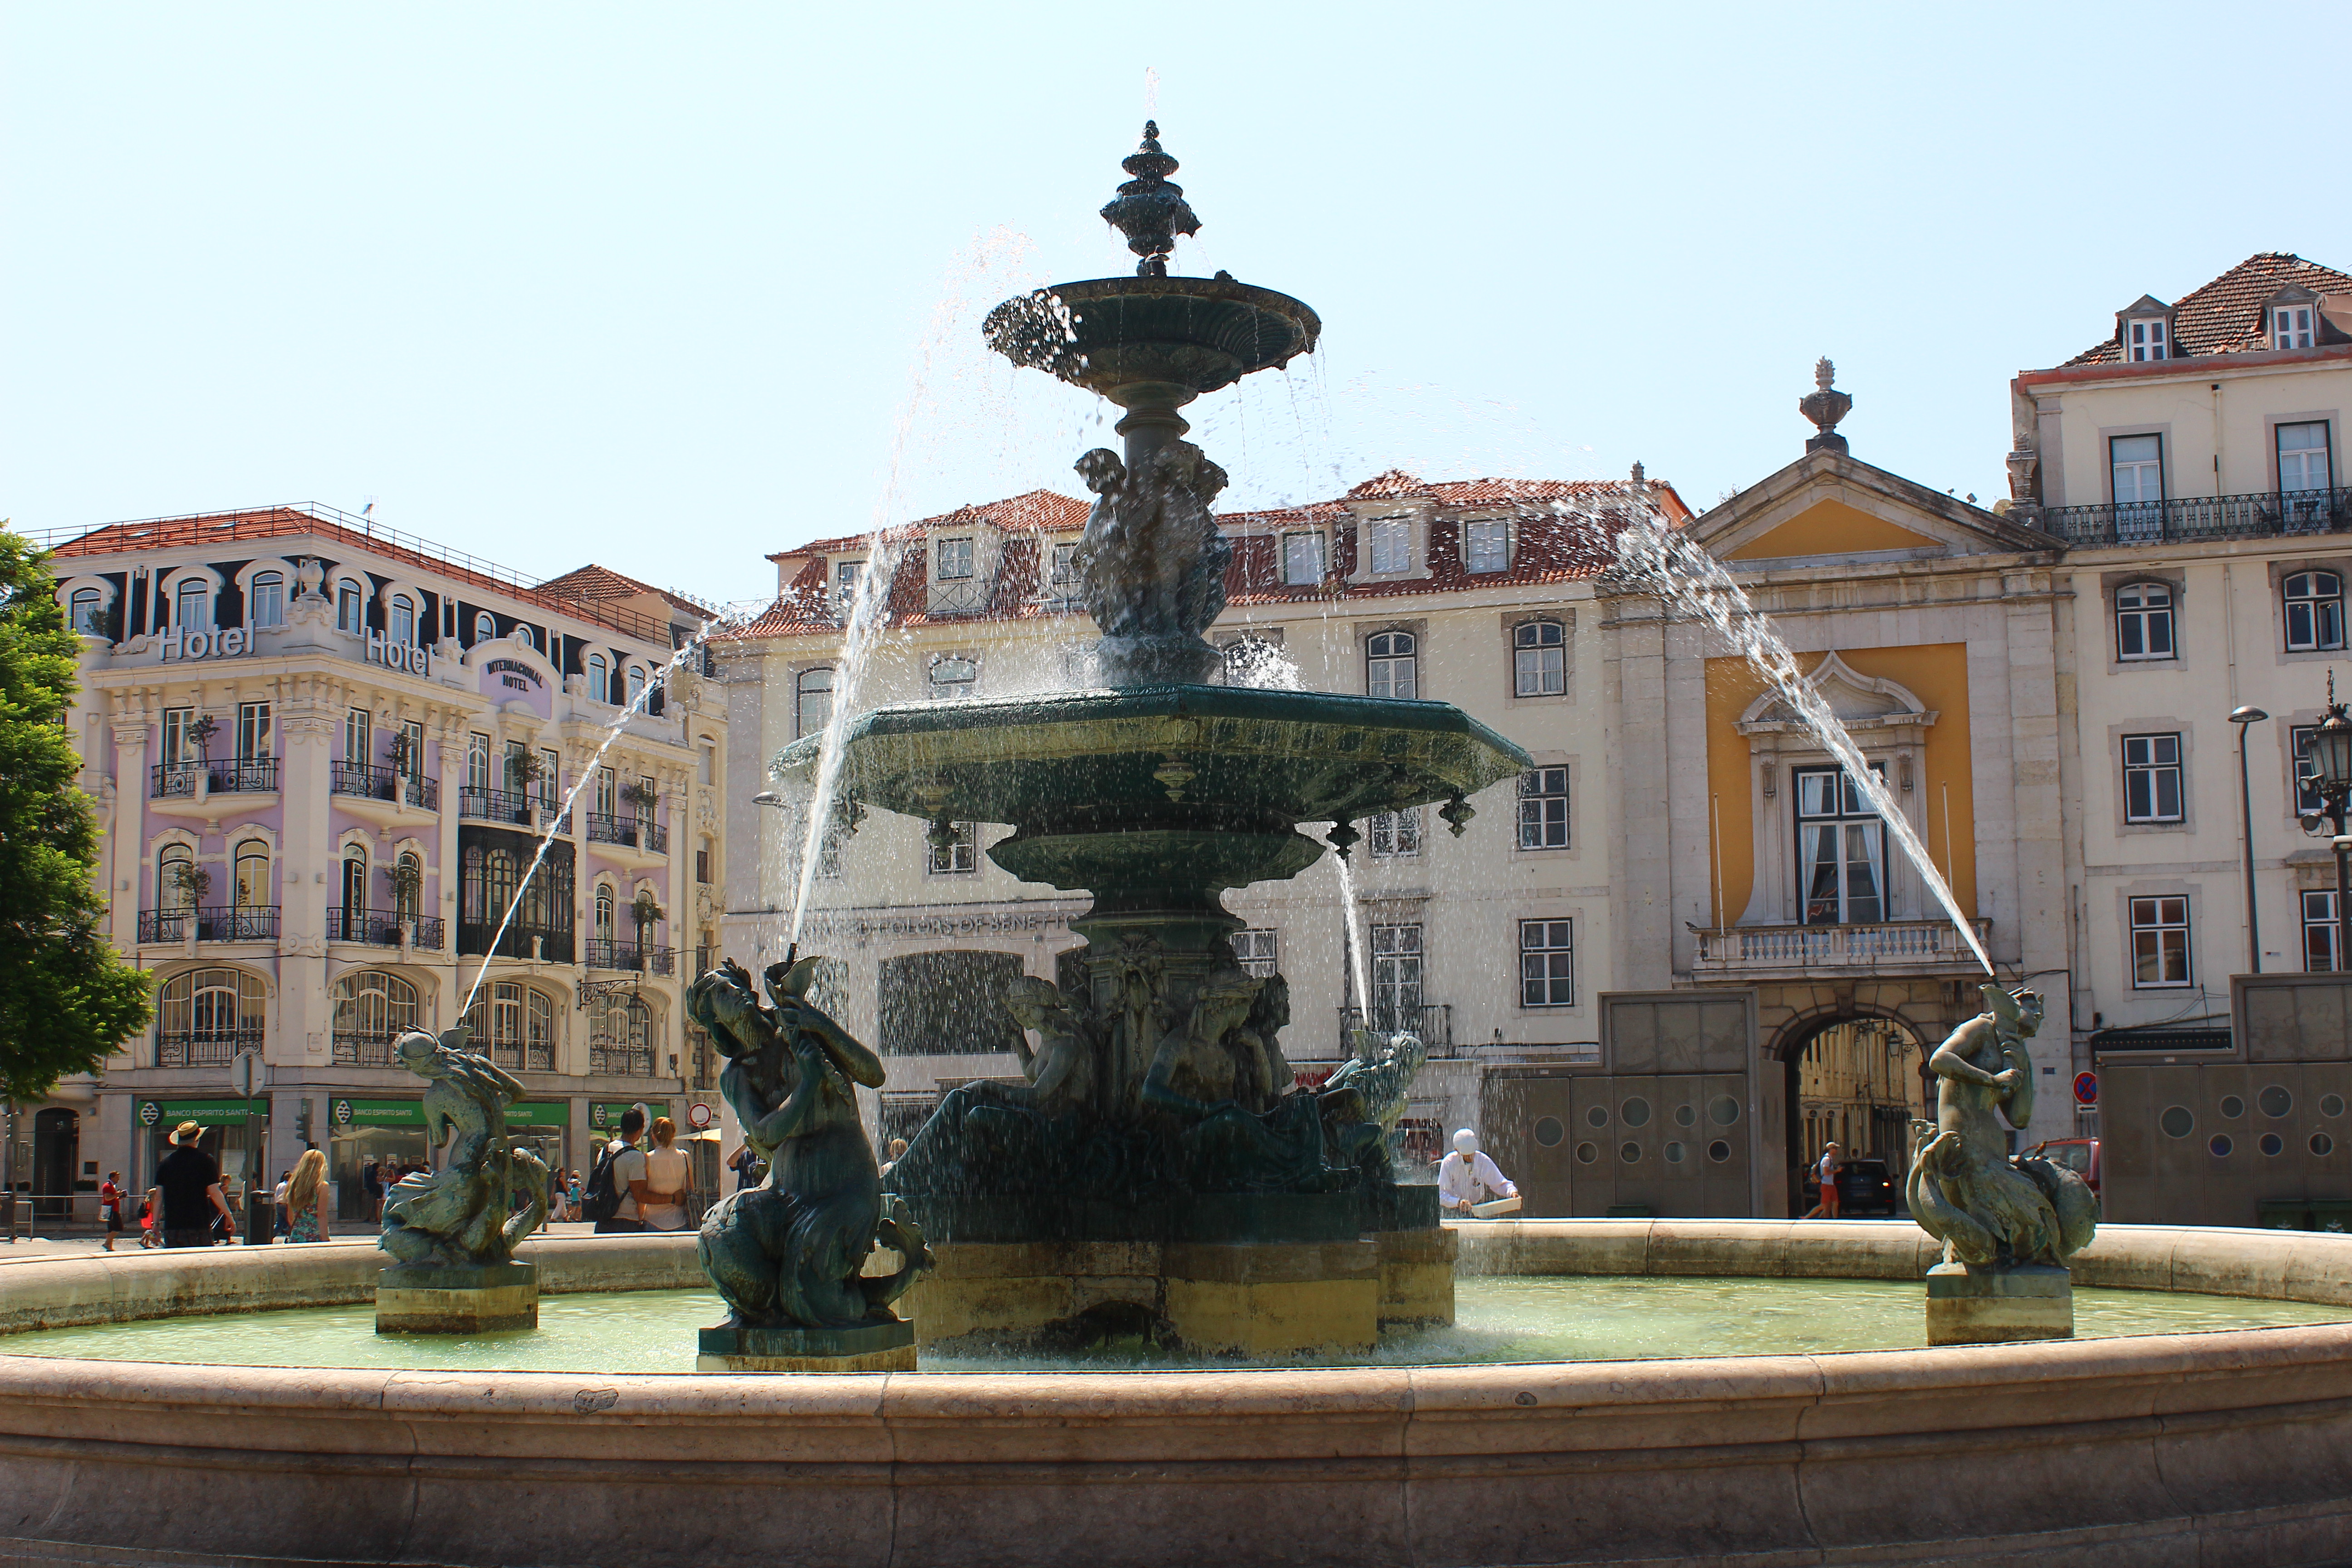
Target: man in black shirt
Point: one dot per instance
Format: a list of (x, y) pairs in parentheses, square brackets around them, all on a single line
[(189, 1183)]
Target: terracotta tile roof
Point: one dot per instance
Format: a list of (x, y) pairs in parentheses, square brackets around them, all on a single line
[(2225, 316), (1036, 512), (592, 582)]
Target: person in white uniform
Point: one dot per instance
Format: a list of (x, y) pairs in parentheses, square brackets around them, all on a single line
[(1468, 1176)]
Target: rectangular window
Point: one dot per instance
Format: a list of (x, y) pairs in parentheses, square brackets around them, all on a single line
[(348, 616), (2319, 933), (1396, 833), (2146, 339), (1302, 559), (1390, 541), (1543, 808), (1840, 851), (2137, 464), (1487, 546), (1547, 963), (179, 744), (608, 793), (547, 793), (959, 855), (1254, 950), (358, 738), (702, 864), (955, 559), (1065, 565), (1540, 659), (2291, 326), (252, 732), (1396, 977), (2152, 778), (517, 768), (2303, 462), (954, 678), (2144, 621), (2307, 798), (478, 761), (2159, 934), (846, 577), (2314, 603), (266, 600)]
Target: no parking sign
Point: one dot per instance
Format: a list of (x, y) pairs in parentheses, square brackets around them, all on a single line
[(2086, 1089)]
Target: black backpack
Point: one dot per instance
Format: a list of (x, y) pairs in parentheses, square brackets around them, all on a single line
[(600, 1202)]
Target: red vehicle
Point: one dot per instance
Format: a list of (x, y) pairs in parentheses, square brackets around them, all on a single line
[(2080, 1155)]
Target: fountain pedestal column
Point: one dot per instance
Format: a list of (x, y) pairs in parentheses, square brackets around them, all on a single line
[(869, 1347), (457, 1299), (1967, 1305)]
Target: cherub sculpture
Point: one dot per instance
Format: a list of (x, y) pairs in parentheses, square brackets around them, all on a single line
[(463, 1215), (790, 1252), (1990, 1209), (1151, 563)]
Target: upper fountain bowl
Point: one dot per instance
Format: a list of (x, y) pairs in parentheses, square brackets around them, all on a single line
[(1110, 334)]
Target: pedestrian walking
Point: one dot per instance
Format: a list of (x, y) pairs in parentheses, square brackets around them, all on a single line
[(110, 1202), (305, 1199), (189, 1184)]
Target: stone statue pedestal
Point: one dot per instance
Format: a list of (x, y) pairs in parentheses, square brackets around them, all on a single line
[(457, 1299), (869, 1347), (1972, 1306)]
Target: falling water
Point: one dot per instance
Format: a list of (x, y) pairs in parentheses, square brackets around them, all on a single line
[(861, 630), (612, 733), (1358, 965), (1686, 577)]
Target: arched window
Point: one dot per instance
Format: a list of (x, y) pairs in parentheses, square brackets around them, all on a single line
[(2315, 612), (600, 678), (954, 678), (636, 683), (253, 873), (264, 599), (403, 621), (603, 911), (515, 1024), (192, 609), (355, 890), (205, 1016), (1539, 659), (175, 866), (351, 608), (372, 1010), (621, 1037), (1389, 665), (486, 627), (470, 887), (408, 886), (500, 877), (524, 635), (815, 702), (2144, 621), (87, 612)]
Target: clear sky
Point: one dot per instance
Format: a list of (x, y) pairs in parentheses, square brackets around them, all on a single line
[(669, 287)]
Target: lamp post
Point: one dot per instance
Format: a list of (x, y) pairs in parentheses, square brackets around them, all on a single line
[(2331, 755), (2245, 719)]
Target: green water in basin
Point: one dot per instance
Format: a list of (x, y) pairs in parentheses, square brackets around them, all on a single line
[(1588, 1318)]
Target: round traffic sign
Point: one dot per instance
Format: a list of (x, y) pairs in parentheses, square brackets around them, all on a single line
[(2086, 1089), (697, 1116)]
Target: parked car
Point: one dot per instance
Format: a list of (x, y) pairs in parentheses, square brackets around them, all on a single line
[(1865, 1187), (2080, 1155)]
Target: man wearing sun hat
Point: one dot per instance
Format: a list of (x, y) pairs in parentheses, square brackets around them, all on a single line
[(190, 1184)]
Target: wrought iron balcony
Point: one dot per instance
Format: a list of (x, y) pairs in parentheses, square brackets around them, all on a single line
[(635, 832), (537, 1057), (168, 781), (603, 952), (1433, 1021), (219, 923), (495, 805), (2195, 518), (1891, 945), (553, 942), (210, 1048), (383, 927), (366, 1047), (621, 1061), (385, 783)]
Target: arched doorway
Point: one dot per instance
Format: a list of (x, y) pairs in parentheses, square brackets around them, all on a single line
[(1858, 1080), (56, 1150)]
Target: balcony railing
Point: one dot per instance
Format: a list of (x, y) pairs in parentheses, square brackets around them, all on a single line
[(2193, 519), (385, 783), (2160, 1040), (538, 1057), (1903, 944), (621, 1061), (224, 922), (555, 942), (494, 805), (206, 1050), (383, 927), (639, 831), (959, 596), (365, 1048), (603, 952), (168, 780), (1433, 1021)]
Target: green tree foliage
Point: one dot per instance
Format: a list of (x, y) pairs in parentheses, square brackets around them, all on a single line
[(67, 999)]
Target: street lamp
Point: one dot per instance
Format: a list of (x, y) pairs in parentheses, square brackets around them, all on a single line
[(2331, 756), (2245, 719)]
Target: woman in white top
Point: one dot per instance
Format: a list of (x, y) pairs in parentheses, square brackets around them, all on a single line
[(661, 1191)]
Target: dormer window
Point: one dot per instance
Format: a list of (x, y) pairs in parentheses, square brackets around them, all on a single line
[(1065, 564), (2292, 326), (1302, 559), (2146, 338), (1486, 545), (954, 559), (847, 574), (1388, 544)]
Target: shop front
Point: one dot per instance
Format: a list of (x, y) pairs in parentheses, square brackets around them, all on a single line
[(234, 1133), (371, 1145), (543, 1127), (605, 1116)]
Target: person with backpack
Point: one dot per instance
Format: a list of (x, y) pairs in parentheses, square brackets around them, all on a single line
[(608, 1201)]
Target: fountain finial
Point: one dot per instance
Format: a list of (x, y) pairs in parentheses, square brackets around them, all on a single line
[(1825, 405), (1150, 209)]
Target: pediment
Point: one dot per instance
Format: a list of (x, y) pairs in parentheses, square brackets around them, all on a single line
[(1861, 702), (1827, 507)]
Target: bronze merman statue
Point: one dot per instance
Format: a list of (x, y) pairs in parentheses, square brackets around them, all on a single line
[(790, 1252), (462, 1214), (1990, 1209)]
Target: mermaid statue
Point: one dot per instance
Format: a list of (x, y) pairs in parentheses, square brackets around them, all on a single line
[(791, 1252), (1990, 1209), (463, 1215)]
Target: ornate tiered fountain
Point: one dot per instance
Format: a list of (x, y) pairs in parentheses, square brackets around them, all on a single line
[(1160, 1170)]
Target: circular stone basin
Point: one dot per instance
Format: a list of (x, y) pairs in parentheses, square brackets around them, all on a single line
[(1231, 758), (1109, 333), (1498, 1320)]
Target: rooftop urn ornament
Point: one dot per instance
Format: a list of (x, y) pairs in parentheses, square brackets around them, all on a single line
[(1825, 405), (1150, 209)]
